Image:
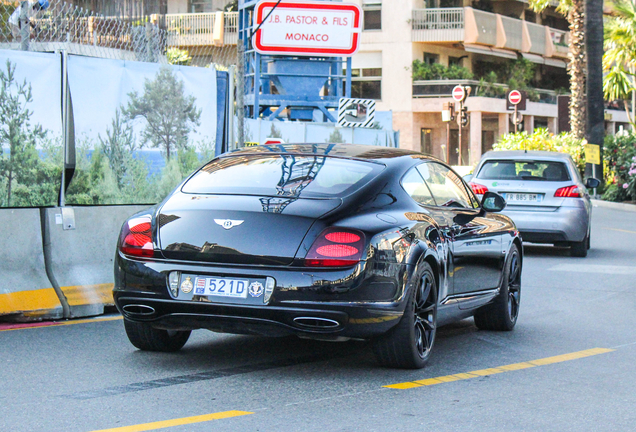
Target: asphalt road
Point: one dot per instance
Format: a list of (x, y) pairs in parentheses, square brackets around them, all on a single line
[(570, 365)]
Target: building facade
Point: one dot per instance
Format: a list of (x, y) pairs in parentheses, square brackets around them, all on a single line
[(413, 52)]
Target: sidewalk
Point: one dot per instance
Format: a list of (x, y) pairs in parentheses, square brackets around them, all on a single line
[(614, 205)]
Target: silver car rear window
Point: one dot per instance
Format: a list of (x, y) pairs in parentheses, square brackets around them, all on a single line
[(524, 170)]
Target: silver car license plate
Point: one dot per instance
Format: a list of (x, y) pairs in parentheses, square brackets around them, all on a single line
[(522, 197)]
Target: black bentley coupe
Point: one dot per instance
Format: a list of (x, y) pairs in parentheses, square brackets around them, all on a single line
[(323, 241)]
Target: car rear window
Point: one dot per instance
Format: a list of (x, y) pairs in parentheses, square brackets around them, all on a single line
[(524, 170), (282, 175)]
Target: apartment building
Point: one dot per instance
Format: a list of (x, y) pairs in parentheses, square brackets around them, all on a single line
[(413, 52)]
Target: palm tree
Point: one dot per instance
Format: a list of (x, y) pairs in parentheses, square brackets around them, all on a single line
[(619, 60), (574, 12)]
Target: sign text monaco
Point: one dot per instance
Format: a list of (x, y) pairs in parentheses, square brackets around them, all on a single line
[(307, 28)]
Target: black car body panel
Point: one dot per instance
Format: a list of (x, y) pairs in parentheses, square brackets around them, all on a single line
[(466, 247)]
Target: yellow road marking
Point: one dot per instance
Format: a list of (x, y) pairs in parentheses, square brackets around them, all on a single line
[(621, 230), (65, 323), (177, 422), (500, 369)]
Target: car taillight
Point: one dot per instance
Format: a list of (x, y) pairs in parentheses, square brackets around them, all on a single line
[(568, 192), (136, 238), (336, 247), (478, 189)]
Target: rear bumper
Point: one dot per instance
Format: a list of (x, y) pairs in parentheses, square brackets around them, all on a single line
[(311, 320), (360, 302), (566, 224)]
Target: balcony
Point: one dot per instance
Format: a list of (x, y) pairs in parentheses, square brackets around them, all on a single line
[(500, 34), (443, 89), (438, 25), (202, 29), (560, 42)]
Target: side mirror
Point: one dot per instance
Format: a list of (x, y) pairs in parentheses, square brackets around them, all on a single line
[(493, 202), (592, 183), (468, 177)]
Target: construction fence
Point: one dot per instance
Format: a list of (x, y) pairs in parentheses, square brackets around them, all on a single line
[(199, 39)]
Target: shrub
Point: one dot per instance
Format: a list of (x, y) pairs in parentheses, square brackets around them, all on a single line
[(436, 71), (620, 159), (178, 56), (543, 140)]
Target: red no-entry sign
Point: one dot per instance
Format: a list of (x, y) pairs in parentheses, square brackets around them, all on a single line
[(516, 100), (459, 94), (515, 97)]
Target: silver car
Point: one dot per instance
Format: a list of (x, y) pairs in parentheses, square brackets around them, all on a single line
[(545, 195)]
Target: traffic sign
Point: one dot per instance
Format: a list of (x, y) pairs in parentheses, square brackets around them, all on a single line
[(593, 154), (316, 29), (459, 93), (517, 118), (514, 97)]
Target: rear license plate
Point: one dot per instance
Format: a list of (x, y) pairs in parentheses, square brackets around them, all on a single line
[(522, 197), (222, 287)]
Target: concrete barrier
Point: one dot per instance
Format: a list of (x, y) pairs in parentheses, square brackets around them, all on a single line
[(81, 258), (25, 290)]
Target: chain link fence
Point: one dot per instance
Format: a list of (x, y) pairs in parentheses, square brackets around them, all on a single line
[(203, 39)]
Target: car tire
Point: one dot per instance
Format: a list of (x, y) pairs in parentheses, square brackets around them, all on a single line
[(147, 338), (409, 344), (502, 313), (589, 240), (579, 249)]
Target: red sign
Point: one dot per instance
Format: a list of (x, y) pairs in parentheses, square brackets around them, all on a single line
[(514, 97), (270, 141), (308, 28), (459, 94)]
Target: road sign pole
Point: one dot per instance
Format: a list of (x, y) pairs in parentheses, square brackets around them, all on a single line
[(515, 118), (459, 146), (448, 142)]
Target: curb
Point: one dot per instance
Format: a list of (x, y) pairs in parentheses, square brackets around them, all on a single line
[(614, 205)]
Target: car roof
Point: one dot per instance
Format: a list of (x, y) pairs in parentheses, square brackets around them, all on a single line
[(350, 151), (526, 155)]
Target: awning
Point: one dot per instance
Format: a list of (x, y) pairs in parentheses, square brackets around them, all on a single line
[(555, 63), (479, 49), (533, 58)]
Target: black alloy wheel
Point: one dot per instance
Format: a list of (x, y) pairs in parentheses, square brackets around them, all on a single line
[(147, 338), (410, 343), (502, 313), (425, 316), (514, 286)]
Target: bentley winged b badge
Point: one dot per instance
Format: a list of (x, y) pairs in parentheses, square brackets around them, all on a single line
[(228, 223)]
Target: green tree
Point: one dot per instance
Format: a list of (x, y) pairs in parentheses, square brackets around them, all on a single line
[(574, 13), (274, 132), (170, 115), (619, 60), (118, 146), (176, 56), (335, 137), (17, 133)]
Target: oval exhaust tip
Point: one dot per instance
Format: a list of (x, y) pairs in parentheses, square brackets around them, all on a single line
[(143, 310), (316, 323)]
